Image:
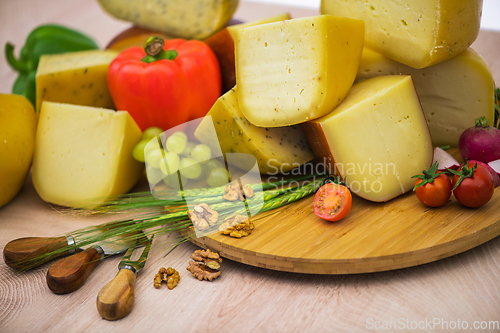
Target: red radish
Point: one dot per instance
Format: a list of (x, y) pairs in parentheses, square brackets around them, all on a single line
[(481, 142), (493, 173), (445, 160)]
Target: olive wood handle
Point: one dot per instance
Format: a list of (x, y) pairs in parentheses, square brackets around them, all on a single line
[(70, 273), (20, 252), (116, 299)]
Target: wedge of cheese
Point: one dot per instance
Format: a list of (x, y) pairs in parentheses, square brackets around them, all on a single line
[(453, 93), (189, 19), (83, 155), (417, 33), (376, 140), (75, 78), (293, 71), (277, 150)]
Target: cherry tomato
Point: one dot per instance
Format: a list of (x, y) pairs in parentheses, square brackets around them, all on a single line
[(476, 190), (332, 202), (433, 188), (434, 194)]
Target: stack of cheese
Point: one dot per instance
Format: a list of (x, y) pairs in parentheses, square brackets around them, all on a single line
[(374, 134)]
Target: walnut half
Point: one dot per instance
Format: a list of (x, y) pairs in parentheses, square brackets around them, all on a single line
[(237, 192), (206, 265), (238, 226), (169, 275), (203, 217)]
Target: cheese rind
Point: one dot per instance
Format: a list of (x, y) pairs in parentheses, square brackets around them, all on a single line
[(293, 71), (453, 93), (271, 19), (83, 155), (417, 33), (188, 19), (76, 78), (376, 140), (277, 150)]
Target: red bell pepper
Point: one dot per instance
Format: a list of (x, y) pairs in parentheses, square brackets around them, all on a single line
[(165, 84)]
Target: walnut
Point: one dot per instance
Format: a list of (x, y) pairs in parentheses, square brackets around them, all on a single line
[(206, 265), (237, 192), (169, 275), (203, 217), (238, 226)]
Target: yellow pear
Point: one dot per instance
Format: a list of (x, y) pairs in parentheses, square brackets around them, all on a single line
[(17, 139)]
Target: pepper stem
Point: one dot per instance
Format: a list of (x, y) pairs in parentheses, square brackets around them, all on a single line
[(154, 50), (19, 66)]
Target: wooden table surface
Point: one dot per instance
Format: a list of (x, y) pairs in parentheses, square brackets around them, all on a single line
[(458, 291)]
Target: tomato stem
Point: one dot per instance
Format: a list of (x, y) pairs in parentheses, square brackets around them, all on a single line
[(465, 172), (154, 50), (428, 176)]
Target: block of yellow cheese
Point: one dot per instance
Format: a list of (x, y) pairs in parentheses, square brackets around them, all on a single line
[(453, 93), (277, 150), (189, 19), (377, 139), (293, 71), (75, 78), (417, 33), (83, 155)]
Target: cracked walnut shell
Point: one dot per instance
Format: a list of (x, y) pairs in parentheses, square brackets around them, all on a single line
[(238, 226)]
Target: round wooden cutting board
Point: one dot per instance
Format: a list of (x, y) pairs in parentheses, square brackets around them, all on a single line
[(373, 237)]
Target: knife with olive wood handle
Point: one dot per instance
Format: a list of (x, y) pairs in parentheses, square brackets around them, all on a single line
[(21, 253), (70, 273)]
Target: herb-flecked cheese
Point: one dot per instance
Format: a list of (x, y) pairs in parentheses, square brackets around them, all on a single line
[(189, 19), (417, 33), (75, 78), (277, 150), (292, 71), (377, 139), (453, 93)]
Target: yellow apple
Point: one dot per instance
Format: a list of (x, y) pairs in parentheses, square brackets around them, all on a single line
[(17, 139)]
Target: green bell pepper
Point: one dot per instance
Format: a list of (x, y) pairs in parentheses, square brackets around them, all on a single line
[(45, 39)]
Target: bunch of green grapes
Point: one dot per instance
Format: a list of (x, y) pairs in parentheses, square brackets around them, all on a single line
[(191, 159)]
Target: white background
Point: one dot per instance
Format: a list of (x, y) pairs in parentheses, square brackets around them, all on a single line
[(490, 19)]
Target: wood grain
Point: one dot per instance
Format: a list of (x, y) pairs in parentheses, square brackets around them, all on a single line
[(245, 298), (373, 237)]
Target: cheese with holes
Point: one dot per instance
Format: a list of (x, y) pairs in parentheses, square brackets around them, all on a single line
[(189, 19), (277, 150), (75, 78), (83, 155), (293, 71), (453, 93), (417, 33), (377, 139)]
